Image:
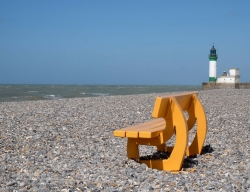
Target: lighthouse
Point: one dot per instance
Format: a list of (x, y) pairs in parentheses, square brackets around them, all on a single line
[(224, 81), (212, 64)]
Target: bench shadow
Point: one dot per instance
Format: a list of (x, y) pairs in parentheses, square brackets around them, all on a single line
[(191, 161), (188, 162), (207, 149)]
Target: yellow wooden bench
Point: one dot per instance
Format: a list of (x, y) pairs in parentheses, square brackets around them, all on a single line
[(170, 120)]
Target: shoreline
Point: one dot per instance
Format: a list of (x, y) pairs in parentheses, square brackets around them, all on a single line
[(54, 92), (68, 144)]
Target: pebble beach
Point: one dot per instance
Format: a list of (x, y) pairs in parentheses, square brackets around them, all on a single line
[(68, 145)]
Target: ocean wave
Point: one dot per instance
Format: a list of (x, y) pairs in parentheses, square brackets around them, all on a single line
[(53, 97), (50, 96), (32, 91), (100, 94)]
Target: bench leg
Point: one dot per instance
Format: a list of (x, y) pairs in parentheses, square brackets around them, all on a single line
[(133, 149), (161, 147)]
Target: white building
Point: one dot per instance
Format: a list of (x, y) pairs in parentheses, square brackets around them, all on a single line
[(232, 77)]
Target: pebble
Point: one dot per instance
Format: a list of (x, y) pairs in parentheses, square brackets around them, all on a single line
[(68, 145)]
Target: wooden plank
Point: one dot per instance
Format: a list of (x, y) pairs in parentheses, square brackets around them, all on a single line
[(154, 132), (134, 133), (122, 132)]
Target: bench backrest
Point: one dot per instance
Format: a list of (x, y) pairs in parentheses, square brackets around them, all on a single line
[(162, 103)]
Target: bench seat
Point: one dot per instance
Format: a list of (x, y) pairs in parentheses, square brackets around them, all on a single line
[(149, 129)]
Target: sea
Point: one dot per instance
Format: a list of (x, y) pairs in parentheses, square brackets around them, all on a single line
[(35, 92)]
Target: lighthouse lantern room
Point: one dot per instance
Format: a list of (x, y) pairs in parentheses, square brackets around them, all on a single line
[(212, 64)]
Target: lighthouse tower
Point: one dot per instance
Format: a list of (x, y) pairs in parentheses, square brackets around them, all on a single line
[(212, 64)]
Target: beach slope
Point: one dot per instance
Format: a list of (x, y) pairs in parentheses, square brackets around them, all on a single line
[(68, 145)]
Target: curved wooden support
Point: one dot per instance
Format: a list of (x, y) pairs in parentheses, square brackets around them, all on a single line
[(196, 114), (201, 131), (191, 113), (179, 124)]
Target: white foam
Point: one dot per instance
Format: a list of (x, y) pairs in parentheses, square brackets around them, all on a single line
[(53, 97), (100, 94), (50, 96)]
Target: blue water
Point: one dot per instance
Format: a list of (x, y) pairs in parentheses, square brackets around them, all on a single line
[(51, 92)]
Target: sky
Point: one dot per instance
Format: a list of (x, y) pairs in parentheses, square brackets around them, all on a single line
[(121, 42)]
